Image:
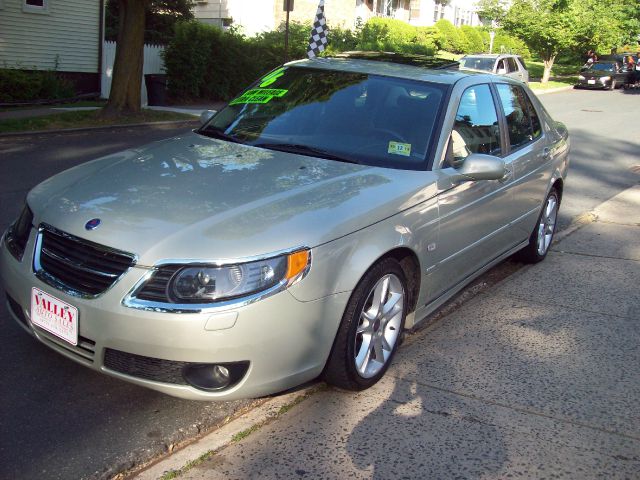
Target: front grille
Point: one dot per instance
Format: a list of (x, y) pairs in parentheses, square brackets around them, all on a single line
[(155, 289), (79, 265), (85, 350), (156, 369)]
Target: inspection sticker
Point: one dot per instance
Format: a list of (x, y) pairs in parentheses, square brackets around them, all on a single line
[(398, 148), (259, 95)]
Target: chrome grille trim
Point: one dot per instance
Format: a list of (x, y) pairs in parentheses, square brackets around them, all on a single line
[(76, 266)]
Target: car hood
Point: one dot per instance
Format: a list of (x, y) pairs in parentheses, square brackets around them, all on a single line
[(596, 74), (192, 197)]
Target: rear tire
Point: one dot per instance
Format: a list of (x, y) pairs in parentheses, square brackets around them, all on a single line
[(542, 235), (371, 328)]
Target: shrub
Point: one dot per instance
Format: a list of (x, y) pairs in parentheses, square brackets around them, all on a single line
[(453, 39), (187, 57), (505, 43), (342, 40), (474, 39), (25, 86), (390, 35)]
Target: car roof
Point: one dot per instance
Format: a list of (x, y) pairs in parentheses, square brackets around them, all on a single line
[(391, 65), (491, 55)]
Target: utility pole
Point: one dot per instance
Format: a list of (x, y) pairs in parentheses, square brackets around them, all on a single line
[(288, 6)]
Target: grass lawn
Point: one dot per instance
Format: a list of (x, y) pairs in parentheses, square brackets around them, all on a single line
[(85, 118), (565, 82), (536, 69)]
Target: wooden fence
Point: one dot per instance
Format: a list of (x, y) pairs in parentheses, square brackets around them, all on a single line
[(152, 64)]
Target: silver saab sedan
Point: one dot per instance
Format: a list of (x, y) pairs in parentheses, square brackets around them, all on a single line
[(331, 206)]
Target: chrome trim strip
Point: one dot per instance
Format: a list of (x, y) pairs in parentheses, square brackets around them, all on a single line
[(132, 301), (222, 262)]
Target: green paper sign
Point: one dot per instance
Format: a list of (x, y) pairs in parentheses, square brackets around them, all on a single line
[(272, 77), (259, 95)]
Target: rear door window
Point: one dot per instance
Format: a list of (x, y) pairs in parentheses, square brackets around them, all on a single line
[(523, 123)]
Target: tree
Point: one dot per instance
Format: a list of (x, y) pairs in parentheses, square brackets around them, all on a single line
[(127, 69), (160, 19), (544, 26), (549, 27), (597, 26), (492, 11)]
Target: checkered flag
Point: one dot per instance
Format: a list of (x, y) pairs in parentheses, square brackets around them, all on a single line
[(318, 40)]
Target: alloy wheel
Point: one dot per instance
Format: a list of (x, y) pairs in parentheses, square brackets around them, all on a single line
[(379, 326), (547, 224)]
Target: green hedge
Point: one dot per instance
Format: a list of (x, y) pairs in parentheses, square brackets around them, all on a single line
[(205, 62), (474, 39), (454, 39), (29, 85), (390, 35)]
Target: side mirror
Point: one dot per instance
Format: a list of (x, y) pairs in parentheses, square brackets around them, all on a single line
[(480, 167), (206, 116)]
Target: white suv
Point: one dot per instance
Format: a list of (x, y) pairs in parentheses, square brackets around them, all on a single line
[(501, 64)]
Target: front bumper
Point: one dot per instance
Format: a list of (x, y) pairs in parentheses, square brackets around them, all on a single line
[(285, 341), (597, 85)]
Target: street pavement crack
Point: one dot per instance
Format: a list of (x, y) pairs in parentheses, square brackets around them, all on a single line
[(592, 255)]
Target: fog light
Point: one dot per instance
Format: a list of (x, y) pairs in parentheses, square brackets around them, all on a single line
[(214, 377)]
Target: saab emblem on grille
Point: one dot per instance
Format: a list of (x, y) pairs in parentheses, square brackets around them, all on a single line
[(92, 224)]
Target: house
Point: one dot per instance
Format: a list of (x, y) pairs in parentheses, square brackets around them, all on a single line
[(258, 16), (60, 35)]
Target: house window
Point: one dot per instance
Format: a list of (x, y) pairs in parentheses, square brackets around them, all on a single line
[(35, 6)]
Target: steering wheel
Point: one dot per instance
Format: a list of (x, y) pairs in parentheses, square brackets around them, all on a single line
[(388, 133)]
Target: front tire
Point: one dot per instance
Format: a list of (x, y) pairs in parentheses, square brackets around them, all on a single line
[(371, 328), (542, 235)]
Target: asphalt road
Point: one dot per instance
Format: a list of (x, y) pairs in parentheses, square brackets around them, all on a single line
[(61, 420)]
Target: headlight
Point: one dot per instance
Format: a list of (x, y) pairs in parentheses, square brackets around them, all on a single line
[(207, 284), (605, 79), (581, 77), (18, 233)]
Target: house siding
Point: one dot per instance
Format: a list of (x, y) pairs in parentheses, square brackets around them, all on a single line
[(68, 34), (339, 13)]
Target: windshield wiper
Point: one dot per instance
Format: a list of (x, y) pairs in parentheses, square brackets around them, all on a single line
[(304, 150), (219, 134)]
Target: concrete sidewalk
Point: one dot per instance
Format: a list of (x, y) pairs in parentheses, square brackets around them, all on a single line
[(537, 378)]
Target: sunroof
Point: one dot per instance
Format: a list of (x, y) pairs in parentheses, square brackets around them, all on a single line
[(425, 61)]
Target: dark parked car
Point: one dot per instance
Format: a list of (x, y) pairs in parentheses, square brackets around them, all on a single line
[(607, 74)]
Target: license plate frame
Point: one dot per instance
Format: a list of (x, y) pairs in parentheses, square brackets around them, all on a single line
[(591, 82), (55, 316)]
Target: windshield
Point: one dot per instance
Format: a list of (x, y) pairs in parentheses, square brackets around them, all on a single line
[(345, 116), (603, 67), (478, 63)]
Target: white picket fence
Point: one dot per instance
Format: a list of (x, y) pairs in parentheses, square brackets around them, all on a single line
[(152, 64)]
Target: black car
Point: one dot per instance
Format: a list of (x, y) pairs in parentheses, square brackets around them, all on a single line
[(603, 74)]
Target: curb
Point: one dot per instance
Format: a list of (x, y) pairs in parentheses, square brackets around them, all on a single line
[(180, 461), (102, 127), (552, 90)]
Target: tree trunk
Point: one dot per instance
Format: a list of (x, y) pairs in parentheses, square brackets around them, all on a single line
[(548, 63), (127, 68)]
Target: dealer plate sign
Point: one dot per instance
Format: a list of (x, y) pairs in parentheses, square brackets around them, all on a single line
[(55, 316)]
